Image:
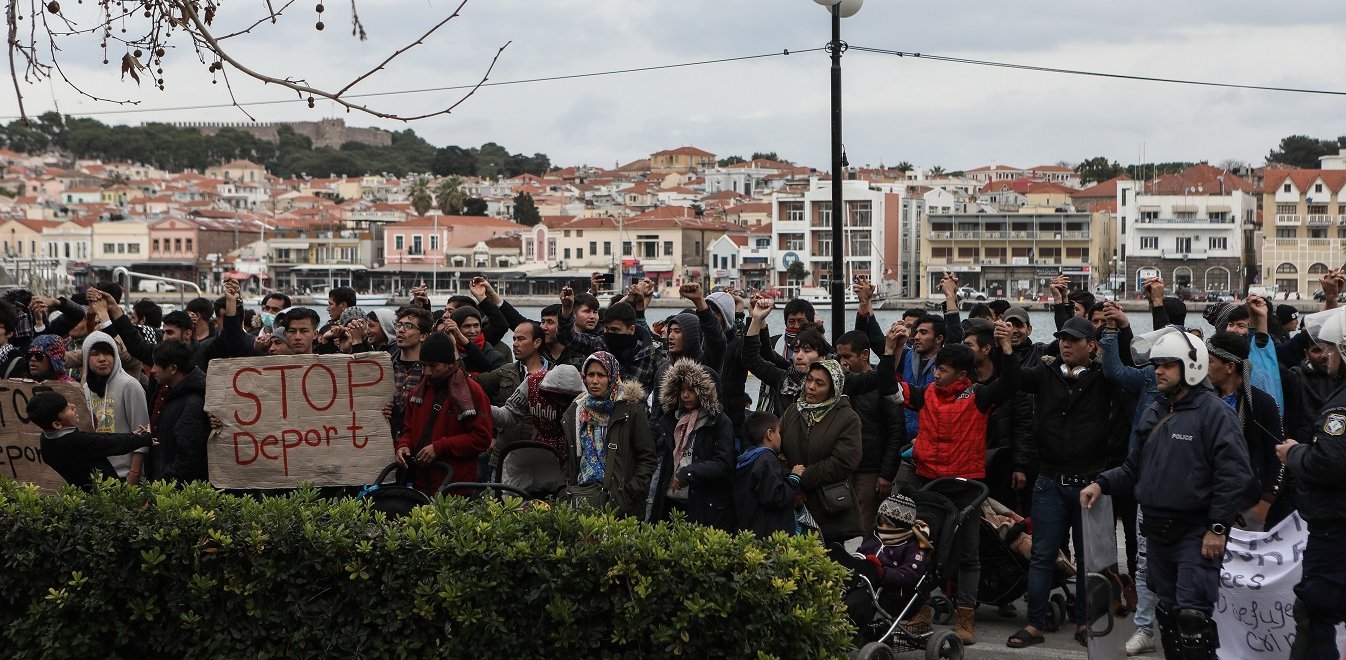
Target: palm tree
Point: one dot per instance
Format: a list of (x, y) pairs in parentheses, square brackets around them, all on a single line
[(420, 198), (937, 171), (449, 196), (904, 166)]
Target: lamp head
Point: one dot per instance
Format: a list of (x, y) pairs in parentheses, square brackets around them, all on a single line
[(847, 8)]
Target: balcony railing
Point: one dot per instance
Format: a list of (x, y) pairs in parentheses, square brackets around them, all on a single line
[(1319, 219), (1012, 236), (1185, 221), (1191, 254), (1283, 219)]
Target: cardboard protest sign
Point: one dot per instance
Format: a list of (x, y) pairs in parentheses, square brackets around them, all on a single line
[(1257, 598), (22, 441), (295, 418)]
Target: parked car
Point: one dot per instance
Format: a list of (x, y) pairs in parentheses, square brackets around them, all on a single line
[(969, 293)]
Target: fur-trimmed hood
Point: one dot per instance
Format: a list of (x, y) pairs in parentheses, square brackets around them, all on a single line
[(702, 379), (631, 392)]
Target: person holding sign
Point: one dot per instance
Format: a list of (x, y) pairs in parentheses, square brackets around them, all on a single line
[(78, 455), (1190, 472), (447, 419)]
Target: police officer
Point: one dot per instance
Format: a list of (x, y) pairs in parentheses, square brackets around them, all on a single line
[(1317, 468), (1189, 471)]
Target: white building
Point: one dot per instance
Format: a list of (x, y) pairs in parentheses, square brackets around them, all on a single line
[(802, 232), (724, 260), (1193, 241)]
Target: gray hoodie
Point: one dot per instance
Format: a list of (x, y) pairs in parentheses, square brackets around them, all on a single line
[(122, 408)]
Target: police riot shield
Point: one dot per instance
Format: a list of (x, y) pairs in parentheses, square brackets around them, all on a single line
[(1102, 587)]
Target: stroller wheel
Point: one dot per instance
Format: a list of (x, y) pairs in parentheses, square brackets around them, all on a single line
[(1057, 614), (944, 645), (875, 651), (943, 608)]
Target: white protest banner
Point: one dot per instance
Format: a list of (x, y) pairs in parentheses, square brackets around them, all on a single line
[(22, 441), (288, 419), (1257, 597)]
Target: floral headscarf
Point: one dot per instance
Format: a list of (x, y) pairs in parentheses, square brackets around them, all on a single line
[(594, 416), (53, 348), (812, 413)]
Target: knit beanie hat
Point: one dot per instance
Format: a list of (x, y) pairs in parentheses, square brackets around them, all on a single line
[(899, 510), (438, 348), (1286, 314), (351, 314), (1218, 315)]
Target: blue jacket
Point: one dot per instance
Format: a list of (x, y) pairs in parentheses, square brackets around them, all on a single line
[(921, 380), (1138, 382)]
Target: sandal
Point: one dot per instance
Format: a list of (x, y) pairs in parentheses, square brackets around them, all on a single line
[(1024, 639), (1082, 635)]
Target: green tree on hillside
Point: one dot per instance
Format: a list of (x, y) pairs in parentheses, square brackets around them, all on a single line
[(525, 211), (449, 196), (1303, 151), (1098, 168), (475, 206), (420, 197), (731, 160)]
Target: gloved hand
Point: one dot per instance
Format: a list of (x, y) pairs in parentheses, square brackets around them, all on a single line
[(878, 565)]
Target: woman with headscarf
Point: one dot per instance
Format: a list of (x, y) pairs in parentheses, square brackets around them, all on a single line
[(609, 457), (820, 437), (46, 359), (696, 448)]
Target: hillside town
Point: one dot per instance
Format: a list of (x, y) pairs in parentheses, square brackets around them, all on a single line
[(676, 216)]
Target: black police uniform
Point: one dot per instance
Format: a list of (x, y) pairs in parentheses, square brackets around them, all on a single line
[(1190, 473), (1317, 467)]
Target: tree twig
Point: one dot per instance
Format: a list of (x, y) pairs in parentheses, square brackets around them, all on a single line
[(403, 49), (14, 43), (202, 32)]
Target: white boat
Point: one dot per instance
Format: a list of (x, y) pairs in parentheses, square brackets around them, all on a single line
[(819, 297), (361, 299)]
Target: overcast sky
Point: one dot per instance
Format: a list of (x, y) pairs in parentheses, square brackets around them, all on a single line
[(929, 113)]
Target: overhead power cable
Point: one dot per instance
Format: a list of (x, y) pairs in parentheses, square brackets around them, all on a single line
[(502, 83), (1096, 74)]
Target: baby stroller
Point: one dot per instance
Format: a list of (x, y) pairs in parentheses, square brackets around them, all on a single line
[(397, 499), (943, 505), (532, 467)]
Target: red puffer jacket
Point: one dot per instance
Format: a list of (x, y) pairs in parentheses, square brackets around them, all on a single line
[(951, 441)]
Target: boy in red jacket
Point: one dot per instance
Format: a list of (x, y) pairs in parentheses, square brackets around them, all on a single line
[(448, 419), (952, 442)]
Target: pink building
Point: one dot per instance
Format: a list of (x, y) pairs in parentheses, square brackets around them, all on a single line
[(433, 239)]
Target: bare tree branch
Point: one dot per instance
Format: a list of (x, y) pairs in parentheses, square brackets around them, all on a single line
[(202, 32), (12, 11), (146, 46), (403, 49)]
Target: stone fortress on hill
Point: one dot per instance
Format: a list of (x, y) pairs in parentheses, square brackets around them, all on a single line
[(324, 133)]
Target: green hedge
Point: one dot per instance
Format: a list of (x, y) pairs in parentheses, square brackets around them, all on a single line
[(162, 572)]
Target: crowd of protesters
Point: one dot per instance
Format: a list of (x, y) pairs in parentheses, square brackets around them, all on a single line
[(650, 416)]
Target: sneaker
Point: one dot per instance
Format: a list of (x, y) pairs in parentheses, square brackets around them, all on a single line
[(1140, 643)]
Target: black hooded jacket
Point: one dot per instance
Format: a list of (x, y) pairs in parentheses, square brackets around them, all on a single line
[(181, 427)]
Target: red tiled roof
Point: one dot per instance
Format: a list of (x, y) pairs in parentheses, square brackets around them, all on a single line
[(504, 242), (1103, 188), (1303, 179), (683, 151), (1198, 179)]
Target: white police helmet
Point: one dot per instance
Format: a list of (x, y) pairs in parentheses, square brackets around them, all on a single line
[(1172, 344), (1332, 329)]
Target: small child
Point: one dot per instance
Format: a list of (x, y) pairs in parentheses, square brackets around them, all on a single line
[(898, 547), (764, 495), (77, 455)]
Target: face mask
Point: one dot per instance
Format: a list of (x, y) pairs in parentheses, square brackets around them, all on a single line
[(619, 341), (268, 319)]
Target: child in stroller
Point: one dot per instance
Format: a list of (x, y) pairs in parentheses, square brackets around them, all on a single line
[(881, 613)]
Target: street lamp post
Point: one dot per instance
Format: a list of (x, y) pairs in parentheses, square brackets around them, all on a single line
[(839, 9)]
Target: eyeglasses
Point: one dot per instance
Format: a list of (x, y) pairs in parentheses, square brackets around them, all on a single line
[(406, 326)]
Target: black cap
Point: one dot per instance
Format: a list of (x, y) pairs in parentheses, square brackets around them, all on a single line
[(1286, 314), (1077, 327)]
